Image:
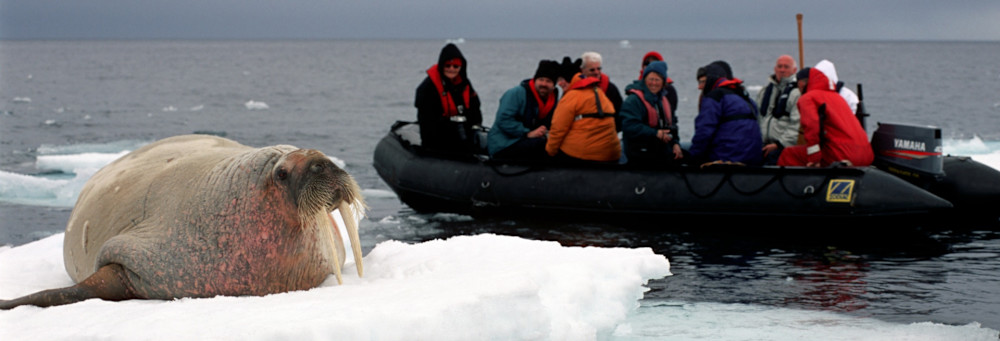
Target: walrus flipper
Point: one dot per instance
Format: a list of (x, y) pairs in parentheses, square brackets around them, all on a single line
[(108, 283)]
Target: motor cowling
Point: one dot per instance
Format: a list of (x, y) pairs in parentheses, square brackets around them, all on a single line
[(911, 152)]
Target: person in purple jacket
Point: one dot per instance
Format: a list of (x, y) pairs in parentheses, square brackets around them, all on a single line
[(726, 127)]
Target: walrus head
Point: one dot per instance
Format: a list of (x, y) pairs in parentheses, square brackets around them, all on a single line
[(318, 187)]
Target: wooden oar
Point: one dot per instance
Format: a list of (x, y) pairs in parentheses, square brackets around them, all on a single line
[(798, 18)]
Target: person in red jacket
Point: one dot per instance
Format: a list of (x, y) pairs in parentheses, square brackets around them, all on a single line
[(828, 132)]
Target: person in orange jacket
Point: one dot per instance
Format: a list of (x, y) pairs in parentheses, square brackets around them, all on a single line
[(829, 131), (583, 124)]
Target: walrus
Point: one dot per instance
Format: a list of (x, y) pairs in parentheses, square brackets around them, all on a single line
[(203, 216)]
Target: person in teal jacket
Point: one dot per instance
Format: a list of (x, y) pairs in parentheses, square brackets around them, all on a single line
[(649, 126), (525, 115)]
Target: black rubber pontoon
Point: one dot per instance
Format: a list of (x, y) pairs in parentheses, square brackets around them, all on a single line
[(430, 182)]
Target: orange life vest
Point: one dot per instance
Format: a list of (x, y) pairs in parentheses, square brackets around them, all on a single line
[(447, 102), (652, 117)]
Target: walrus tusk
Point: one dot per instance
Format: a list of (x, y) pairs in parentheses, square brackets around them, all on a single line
[(351, 222), (333, 245)]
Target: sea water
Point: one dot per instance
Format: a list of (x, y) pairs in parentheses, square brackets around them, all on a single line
[(69, 107)]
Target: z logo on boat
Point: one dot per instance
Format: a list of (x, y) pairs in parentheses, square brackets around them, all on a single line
[(840, 190)]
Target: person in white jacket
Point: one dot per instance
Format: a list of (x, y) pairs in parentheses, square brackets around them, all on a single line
[(779, 115), (845, 92)]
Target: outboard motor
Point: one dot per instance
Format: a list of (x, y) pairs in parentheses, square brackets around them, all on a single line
[(913, 153)]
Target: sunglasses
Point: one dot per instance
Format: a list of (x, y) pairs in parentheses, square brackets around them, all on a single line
[(455, 66)]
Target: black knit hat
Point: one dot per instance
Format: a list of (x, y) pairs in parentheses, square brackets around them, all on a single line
[(549, 69), (803, 74), (568, 68)]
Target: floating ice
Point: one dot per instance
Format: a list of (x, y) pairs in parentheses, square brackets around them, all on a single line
[(70, 164), (60, 185), (664, 320), (464, 288), (337, 161), (254, 105), (377, 193)]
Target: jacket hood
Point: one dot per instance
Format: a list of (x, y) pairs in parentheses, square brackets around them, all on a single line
[(449, 52), (819, 77), (829, 71), (725, 68), (715, 72), (654, 54), (580, 81)]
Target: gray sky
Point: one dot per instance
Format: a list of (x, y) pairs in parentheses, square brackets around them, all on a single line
[(516, 19)]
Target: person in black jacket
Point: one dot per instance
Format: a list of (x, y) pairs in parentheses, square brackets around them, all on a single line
[(447, 104)]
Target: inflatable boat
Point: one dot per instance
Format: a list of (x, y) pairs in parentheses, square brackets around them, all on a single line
[(910, 178)]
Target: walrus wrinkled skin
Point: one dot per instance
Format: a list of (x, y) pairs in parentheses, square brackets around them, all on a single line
[(201, 216)]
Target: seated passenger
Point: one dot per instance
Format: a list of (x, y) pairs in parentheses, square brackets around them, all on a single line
[(779, 114), (649, 128), (650, 57), (447, 105), (829, 131), (726, 127), (524, 116), (592, 68), (583, 124)]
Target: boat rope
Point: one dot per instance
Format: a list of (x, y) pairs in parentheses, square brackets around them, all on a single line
[(687, 182), (728, 178), (758, 190), (807, 195)]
